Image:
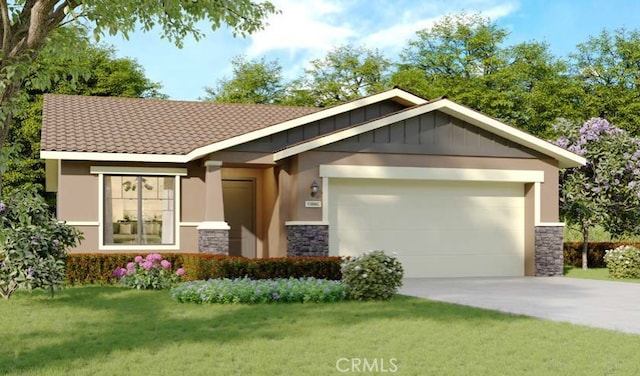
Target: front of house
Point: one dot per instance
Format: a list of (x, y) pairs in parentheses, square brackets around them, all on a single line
[(452, 191)]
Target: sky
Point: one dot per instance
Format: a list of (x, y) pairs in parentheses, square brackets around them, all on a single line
[(308, 29)]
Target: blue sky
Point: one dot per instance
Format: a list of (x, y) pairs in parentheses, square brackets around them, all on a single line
[(307, 29)]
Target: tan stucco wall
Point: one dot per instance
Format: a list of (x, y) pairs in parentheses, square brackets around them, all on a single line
[(192, 192), (306, 170), (78, 193)]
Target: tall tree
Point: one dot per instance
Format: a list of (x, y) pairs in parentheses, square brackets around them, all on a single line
[(253, 81), (102, 74), (26, 26), (464, 58), (606, 191), (608, 68), (345, 73)]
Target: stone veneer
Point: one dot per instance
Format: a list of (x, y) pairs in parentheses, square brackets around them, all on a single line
[(213, 241), (548, 250), (308, 240)]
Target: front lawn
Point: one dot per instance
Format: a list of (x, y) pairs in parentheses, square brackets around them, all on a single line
[(114, 331), (593, 273)]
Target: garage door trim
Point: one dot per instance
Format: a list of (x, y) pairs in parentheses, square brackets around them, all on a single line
[(429, 173)]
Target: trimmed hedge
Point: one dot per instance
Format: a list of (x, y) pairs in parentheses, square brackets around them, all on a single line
[(97, 268), (595, 257)]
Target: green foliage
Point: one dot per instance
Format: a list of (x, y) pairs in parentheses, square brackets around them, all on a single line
[(463, 58), (32, 244), (253, 81), (607, 68), (245, 290), (596, 251), (372, 276), (623, 262), (152, 272), (345, 73)]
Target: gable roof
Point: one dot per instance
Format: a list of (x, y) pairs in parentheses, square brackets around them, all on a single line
[(564, 157), (124, 129)]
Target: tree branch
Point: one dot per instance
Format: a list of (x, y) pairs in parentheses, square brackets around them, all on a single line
[(6, 25)]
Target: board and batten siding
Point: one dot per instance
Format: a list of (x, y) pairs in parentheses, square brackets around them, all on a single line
[(305, 132), (434, 133)]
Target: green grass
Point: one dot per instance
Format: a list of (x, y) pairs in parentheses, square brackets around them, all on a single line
[(113, 331), (593, 273)]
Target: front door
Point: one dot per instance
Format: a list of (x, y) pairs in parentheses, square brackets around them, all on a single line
[(240, 213)]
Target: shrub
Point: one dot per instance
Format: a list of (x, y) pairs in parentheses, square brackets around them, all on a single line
[(32, 244), (148, 273), (372, 276), (623, 262), (245, 290), (97, 268)]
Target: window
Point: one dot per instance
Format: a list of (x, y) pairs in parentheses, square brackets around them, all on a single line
[(139, 210)]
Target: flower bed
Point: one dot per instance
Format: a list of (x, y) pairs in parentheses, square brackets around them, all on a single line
[(244, 290)]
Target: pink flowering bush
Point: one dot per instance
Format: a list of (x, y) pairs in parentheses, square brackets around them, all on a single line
[(149, 273)]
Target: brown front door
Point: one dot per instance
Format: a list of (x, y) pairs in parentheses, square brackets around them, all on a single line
[(239, 199)]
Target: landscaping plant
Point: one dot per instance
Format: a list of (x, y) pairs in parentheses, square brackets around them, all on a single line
[(32, 244), (623, 262), (149, 273), (245, 290), (372, 276)]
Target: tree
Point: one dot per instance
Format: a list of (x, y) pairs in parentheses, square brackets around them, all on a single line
[(606, 191), (345, 73), (253, 81), (100, 74), (463, 57), (27, 26), (608, 68)]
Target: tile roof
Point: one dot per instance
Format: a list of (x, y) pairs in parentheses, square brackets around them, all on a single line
[(150, 126)]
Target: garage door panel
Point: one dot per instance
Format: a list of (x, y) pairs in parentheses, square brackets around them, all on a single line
[(459, 266), (434, 242), (460, 228)]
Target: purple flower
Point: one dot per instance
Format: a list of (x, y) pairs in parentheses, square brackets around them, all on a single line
[(276, 296), (56, 243), (154, 257), (147, 265), (30, 272), (34, 240), (138, 259), (3, 207), (596, 190), (119, 272), (180, 272), (131, 266), (165, 264)]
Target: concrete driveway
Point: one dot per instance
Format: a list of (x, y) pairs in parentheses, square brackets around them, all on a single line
[(599, 304)]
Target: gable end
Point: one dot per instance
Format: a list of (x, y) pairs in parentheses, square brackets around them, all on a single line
[(433, 133)]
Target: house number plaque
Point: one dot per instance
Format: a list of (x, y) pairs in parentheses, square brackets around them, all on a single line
[(313, 204)]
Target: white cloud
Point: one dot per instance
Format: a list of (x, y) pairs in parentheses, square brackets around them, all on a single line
[(302, 25)]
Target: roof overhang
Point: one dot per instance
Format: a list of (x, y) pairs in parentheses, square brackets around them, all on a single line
[(565, 158), (395, 94)]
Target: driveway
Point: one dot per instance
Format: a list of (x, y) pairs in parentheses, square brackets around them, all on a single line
[(599, 304)]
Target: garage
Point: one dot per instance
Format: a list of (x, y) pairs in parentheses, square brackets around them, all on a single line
[(438, 228)]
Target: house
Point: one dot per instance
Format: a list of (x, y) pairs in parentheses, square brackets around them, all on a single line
[(452, 191)]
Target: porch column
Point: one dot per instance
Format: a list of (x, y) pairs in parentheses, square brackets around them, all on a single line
[(213, 233)]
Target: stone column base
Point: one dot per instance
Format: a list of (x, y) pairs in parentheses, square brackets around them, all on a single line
[(548, 251), (308, 240), (213, 241)]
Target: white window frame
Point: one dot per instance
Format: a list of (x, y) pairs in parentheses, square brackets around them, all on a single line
[(176, 173)]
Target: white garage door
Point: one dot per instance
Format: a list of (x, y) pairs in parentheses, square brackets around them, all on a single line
[(438, 229)]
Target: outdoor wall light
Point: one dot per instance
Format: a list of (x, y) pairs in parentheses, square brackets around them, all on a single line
[(315, 188)]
